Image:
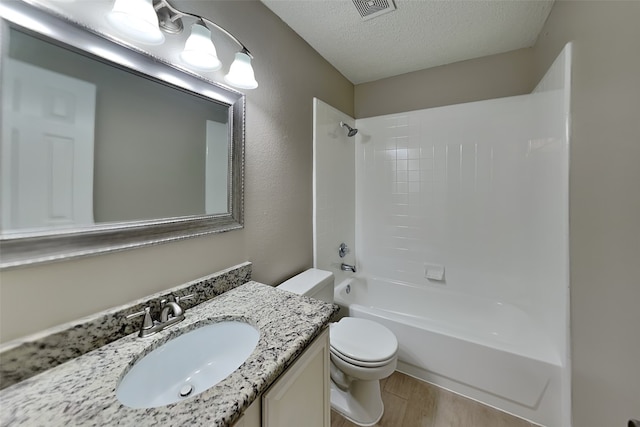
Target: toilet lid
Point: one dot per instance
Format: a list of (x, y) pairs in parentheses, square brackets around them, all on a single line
[(363, 340)]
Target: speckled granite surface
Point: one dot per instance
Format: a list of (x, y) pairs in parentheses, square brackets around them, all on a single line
[(23, 358), (82, 391)]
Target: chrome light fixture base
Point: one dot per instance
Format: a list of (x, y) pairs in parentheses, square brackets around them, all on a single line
[(170, 22)]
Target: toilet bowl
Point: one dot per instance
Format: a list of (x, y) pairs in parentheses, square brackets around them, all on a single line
[(362, 352)]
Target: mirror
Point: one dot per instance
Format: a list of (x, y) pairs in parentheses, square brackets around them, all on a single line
[(104, 148)]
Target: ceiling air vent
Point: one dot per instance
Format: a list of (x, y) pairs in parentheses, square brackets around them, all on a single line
[(370, 9)]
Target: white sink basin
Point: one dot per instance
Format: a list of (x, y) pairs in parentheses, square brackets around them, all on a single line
[(188, 365)]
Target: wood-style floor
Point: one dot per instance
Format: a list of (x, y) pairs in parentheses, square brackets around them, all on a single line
[(409, 402)]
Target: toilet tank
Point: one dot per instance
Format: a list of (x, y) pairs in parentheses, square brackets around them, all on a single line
[(313, 283)]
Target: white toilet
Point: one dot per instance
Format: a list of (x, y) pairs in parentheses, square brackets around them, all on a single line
[(362, 353)]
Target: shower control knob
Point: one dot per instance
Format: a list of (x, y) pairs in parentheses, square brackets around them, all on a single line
[(343, 250)]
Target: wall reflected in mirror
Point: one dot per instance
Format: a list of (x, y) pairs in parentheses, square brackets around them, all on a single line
[(86, 142)]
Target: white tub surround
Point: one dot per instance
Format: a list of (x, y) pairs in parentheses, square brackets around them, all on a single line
[(466, 205), (334, 201), (82, 391)]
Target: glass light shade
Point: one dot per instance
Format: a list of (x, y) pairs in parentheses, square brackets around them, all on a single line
[(137, 19), (241, 73), (199, 51)]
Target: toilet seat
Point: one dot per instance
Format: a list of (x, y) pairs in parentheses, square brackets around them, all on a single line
[(360, 363), (362, 342)]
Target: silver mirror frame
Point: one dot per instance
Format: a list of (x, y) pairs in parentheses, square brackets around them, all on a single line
[(30, 248)]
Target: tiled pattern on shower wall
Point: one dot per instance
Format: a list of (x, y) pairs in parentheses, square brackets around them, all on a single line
[(334, 188), (479, 188)]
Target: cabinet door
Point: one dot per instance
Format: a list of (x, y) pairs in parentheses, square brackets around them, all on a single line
[(300, 397), (250, 417)]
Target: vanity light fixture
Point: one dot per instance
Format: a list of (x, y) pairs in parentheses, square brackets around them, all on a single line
[(199, 51), (241, 73), (137, 19), (144, 21)]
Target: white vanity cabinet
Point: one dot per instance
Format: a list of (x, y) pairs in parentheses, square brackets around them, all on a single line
[(251, 416), (300, 396)]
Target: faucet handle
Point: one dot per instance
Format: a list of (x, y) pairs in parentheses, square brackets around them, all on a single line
[(184, 297), (343, 250), (147, 323)]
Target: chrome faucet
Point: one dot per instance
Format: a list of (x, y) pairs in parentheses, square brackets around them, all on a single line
[(170, 310), (347, 267), (170, 314)]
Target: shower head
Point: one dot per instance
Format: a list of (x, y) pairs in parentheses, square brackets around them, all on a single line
[(351, 130)]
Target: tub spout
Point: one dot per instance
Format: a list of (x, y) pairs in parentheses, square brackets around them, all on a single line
[(347, 267)]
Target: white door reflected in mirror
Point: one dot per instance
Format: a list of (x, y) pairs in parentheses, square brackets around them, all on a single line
[(47, 149)]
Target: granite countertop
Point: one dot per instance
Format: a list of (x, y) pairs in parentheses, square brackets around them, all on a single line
[(82, 390)]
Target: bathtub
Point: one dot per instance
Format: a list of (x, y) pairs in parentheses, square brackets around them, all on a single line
[(487, 350)]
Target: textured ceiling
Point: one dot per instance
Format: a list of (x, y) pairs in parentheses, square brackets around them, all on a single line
[(419, 34)]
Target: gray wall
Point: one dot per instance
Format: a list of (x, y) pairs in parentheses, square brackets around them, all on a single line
[(604, 179), (495, 76), (277, 236), (604, 203)]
